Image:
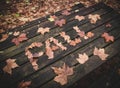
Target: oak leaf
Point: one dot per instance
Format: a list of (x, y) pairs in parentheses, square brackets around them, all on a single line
[(82, 58), (43, 30), (24, 84), (100, 53), (107, 37), (62, 74), (11, 64)]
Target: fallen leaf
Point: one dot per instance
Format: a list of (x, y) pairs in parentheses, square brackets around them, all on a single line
[(60, 22), (20, 38), (65, 12), (94, 18), (66, 37), (11, 64), (49, 51), (90, 34), (100, 53), (16, 33), (62, 74), (43, 30), (52, 18), (59, 44), (79, 18), (82, 58), (54, 47), (74, 42), (1, 30), (4, 37), (107, 37), (24, 84)]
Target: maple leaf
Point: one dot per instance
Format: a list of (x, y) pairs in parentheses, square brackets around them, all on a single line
[(34, 64), (54, 47), (82, 58), (62, 73), (22, 37), (65, 12), (24, 84), (100, 53), (4, 37), (107, 37), (11, 64), (60, 22), (90, 34), (19, 39), (16, 33), (66, 37), (43, 30), (80, 33), (74, 42), (79, 18), (52, 18), (93, 18), (49, 51)]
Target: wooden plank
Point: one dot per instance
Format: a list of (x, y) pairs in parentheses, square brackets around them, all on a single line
[(47, 70), (18, 49), (5, 45), (29, 68), (82, 70)]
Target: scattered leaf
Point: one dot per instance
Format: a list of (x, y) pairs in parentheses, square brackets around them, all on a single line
[(11, 64), (62, 74), (100, 53), (20, 38), (24, 84), (60, 22), (66, 37), (107, 37), (43, 30), (52, 18), (65, 12), (90, 34), (16, 33), (79, 18), (54, 47), (74, 42), (82, 58), (94, 18), (4, 37)]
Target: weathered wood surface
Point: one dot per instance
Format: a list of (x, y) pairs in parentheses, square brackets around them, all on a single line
[(43, 77)]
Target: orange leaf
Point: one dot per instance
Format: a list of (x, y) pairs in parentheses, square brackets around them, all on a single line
[(62, 73), (82, 58), (11, 64), (24, 84), (100, 53), (107, 37), (90, 34), (60, 22), (54, 47), (43, 30), (74, 42), (79, 18)]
